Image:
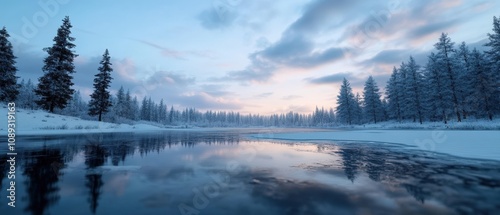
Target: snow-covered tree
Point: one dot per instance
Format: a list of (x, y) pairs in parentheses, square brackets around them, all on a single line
[(120, 106), (413, 88), (438, 94), (9, 89), (371, 101), (493, 55), (128, 106), (464, 77), (484, 94), (54, 87), (27, 97), (446, 63), (394, 95), (134, 109), (100, 99), (346, 104), (76, 106), (162, 112)]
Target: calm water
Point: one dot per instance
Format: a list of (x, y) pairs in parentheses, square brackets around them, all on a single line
[(226, 173)]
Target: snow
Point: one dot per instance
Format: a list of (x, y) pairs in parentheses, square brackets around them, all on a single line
[(481, 144), (465, 143), (38, 122)]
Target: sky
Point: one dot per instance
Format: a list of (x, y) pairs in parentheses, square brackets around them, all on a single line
[(255, 56)]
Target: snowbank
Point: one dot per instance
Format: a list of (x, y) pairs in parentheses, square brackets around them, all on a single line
[(38, 122), (470, 144)]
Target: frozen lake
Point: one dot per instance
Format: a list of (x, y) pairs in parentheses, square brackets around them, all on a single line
[(227, 172)]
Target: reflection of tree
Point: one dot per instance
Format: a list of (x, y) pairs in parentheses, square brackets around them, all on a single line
[(351, 162), (94, 183), (3, 169), (95, 156), (375, 165), (119, 152), (416, 191), (42, 171)]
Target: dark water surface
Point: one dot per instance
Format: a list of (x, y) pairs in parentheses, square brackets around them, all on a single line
[(186, 172)]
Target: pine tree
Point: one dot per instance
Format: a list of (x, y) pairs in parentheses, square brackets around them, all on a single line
[(493, 55), (120, 103), (438, 94), (346, 103), (371, 102), (9, 89), (463, 69), (134, 109), (444, 55), (394, 94), (144, 109), (128, 106), (54, 87), (76, 106), (27, 97), (414, 91), (100, 99), (483, 93)]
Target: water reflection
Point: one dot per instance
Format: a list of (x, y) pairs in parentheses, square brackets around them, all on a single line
[(155, 173), (42, 176)]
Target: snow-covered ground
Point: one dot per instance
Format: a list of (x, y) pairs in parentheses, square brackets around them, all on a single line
[(483, 144), (36, 122), (465, 143)]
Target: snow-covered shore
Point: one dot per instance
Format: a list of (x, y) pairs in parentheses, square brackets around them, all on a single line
[(463, 143), (38, 122)]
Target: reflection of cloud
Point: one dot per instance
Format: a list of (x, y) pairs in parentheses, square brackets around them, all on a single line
[(173, 173), (118, 183), (156, 200)]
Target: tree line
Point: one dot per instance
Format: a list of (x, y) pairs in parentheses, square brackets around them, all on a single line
[(456, 83)]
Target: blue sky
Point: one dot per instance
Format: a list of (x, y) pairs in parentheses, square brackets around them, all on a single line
[(250, 56)]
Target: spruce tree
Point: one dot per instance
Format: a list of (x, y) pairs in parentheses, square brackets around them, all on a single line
[(438, 94), (394, 94), (493, 55), (100, 98), (483, 88), (9, 89), (414, 91), (54, 87), (346, 104), (372, 103), (463, 68), (447, 63)]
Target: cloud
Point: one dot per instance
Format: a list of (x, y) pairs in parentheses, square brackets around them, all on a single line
[(291, 97), (219, 16), (164, 51), (263, 95), (296, 47), (431, 29), (216, 90), (205, 101), (329, 79), (164, 78)]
